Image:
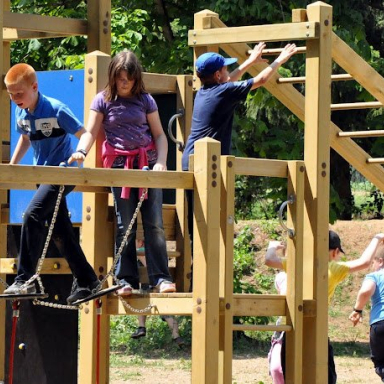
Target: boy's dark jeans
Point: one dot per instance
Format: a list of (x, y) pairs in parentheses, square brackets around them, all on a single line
[(33, 236), (376, 342)]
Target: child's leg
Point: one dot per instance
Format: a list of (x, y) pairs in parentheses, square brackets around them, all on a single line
[(376, 343), (126, 269), (155, 248), (68, 244), (275, 367)]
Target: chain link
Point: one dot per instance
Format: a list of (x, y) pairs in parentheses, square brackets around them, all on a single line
[(36, 276), (58, 306), (128, 307), (3, 283), (123, 243)]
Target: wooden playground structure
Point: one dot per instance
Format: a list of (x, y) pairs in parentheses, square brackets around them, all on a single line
[(212, 304)]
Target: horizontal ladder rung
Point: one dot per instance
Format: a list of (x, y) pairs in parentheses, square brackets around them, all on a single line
[(277, 51), (301, 79), (376, 133), (259, 327), (361, 105), (378, 160)]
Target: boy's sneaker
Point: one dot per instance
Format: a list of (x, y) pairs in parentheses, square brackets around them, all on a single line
[(126, 290), (17, 289), (166, 287), (80, 293), (140, 332)]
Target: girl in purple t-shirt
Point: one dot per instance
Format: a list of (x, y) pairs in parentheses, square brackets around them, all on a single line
[(134, 137)]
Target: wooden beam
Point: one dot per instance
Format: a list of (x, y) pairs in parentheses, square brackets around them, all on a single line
[(206, 262), (262, 328), (51, 266), (99, 26), (261, 167), (316, 214), (271, 32), (60, 26), (160, 84), (12, 34), (24, 175), (227, 222), (180, 304)]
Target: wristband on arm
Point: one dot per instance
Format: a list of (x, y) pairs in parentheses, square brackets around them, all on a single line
[(359, 311), (82, 151)]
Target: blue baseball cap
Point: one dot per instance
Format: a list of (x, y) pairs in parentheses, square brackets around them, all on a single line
[(210, 62)]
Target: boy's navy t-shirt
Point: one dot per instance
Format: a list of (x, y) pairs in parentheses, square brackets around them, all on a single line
[(48, 128), (213, 113)]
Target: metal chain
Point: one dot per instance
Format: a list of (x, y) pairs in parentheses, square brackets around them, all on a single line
[(3, 282), (36, 276), (128, 307), (123, 243), (58, 306)]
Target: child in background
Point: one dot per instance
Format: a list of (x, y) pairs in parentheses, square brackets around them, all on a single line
[(46, 124), (134, 138), (337, 272)]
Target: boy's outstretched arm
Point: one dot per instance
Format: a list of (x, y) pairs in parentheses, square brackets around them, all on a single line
[(365, 259), (254, 57), (272, 259), (267, 73)]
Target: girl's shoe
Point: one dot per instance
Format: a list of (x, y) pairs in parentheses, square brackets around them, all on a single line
[(166, 287), (126, 290), (140, 332)]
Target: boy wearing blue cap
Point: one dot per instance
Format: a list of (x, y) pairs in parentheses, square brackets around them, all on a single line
[(221, 92), (218, 97)]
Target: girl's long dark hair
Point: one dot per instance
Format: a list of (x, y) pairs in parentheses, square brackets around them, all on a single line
[(124, 61)]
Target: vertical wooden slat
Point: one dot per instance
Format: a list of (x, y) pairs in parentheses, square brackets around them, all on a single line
[(227, 220), (97, 236), (99, 26), (202, 20), (205, 314), (294, 352), (183, 129), (316, 214)]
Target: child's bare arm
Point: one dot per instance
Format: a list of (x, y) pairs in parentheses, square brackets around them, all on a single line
[(365, 259), (272, 259), (21, 148)]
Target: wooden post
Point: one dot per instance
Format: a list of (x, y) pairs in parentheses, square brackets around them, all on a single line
[(99, 25), (183, 129), (294, 352), (205, 315), (227, 220), (316, 214), (202, 20), (5, 137), (97, 236)]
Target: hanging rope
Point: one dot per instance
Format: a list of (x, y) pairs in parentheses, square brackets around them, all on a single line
[(16, 314)]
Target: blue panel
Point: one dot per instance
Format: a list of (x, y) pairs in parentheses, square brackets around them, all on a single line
[(68, 87)]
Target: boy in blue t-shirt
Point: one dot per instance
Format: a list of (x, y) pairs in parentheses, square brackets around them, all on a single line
[(219, 95), (45, 123)]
